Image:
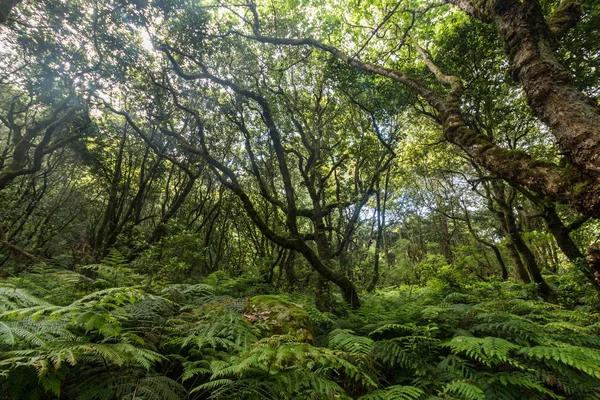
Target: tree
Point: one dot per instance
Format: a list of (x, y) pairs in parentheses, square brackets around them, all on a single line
[(530, 40)]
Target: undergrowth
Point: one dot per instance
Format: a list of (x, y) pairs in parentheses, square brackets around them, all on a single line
[(105, 332)]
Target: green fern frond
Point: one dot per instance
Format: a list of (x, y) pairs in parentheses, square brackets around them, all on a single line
[(348, 341), (395, 393), (489, 350), (511, 325), (465, 389), (407, 328), (405, 352), (228, 330), (522, 380), (119, 354), (130, 384), (193, 368), (199, 293), (212, 385), (318, 317), (12, 297), (457, 367), (115, 259), (6, 334), (287, 363), (583, 359)]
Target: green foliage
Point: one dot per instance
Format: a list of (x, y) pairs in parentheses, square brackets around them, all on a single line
[(280, 367), (148, 234), (395, 392), (445, 340)]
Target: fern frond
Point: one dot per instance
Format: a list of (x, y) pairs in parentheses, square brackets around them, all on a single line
[(405, 352), (130, 384), (6, 334), (522, 380), (12, 297), (464, 389), (348, 341), (395, 393), (583, 359), (489, 350), (193, 368)]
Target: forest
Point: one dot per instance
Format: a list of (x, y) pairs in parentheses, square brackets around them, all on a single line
[(296, 199)]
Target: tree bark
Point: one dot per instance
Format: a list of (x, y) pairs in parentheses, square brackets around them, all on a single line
[(573, 118)]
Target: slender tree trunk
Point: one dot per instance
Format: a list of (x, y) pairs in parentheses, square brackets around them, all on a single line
[(108, 221), (378, 241), (510, 246), (568, 246), (160, 230), (527, 256), (445, 239)]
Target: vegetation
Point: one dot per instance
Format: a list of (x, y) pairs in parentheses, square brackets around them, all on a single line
[(299, 200)]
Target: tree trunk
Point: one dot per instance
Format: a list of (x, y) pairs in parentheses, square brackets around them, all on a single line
[(568, 246), (527, 256)]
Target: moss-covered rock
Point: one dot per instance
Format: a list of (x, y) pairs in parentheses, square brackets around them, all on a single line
[(276, 316)]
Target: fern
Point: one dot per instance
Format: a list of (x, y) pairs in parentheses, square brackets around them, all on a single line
[(465, 389), (281, 367), (229, 331), (12, 297), (522, 381), (346, 340), (130, 384), (407, 352), (583, 359), (395, 393), (489, 350)]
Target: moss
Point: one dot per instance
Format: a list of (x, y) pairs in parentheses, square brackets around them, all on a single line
[(486, 147), (469, 137), (276, 316), (580, 188), (541, 163)]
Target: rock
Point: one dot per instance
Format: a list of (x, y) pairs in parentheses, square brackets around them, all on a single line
[(275, 316)]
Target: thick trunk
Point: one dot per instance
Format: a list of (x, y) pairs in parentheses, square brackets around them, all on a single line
[(517, 167), (323, 298), (510, 246), (573, 118)]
